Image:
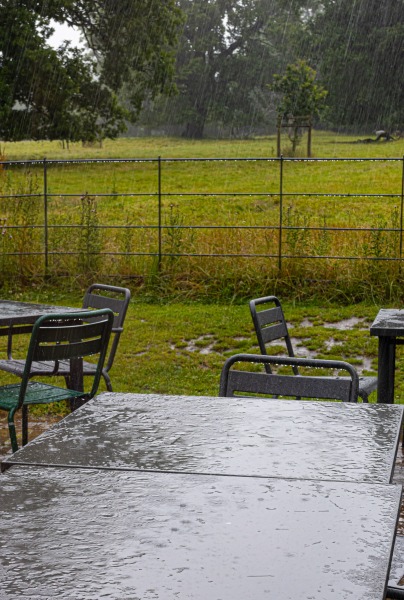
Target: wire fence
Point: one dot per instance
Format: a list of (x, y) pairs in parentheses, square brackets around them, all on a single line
[(139, 217)]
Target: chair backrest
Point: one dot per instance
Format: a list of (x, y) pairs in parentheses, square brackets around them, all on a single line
[(270, 324), (116, 299), (238, 383), (68, 336)]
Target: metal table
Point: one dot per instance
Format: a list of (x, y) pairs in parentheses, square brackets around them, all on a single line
[(388, 326), (18, 318), (225, 436), (90, 534), (18, 313)]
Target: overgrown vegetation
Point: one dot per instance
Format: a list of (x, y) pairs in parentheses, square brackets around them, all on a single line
[(219, 233)]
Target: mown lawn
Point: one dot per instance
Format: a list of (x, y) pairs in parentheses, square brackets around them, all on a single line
[(179, 348), (173, 347), (325, 145)]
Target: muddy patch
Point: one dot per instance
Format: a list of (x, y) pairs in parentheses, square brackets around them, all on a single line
[(37, 425)]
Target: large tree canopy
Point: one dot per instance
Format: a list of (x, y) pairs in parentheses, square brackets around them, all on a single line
[(48, 93), (227, 54), (230, 49), (358, 49)]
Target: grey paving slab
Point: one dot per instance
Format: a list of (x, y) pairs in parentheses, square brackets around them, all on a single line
[(249, 437), (88, 534)]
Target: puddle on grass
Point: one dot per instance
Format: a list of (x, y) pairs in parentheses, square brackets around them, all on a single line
[(331, 343), (350, 323), (305, 323), (205, 344)]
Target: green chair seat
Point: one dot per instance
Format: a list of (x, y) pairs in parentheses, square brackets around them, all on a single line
[(36, 393)]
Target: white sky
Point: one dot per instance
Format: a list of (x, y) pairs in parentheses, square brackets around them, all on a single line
[(62, 33)]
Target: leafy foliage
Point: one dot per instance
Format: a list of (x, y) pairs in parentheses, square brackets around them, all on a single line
[(65, 93), (301, 95), (227, 54), (359, 52)]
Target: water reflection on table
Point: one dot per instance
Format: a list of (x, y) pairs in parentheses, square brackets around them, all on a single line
[(91, 534), (249, 437)]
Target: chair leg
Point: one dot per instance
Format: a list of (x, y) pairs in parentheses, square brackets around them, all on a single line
[(107, 381), (24, 424), (11, 430), (362, 394)]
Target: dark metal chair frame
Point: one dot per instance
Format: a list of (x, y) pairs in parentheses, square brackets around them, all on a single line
[(94, 298), (235, 382), (270, 325), (57, 338)]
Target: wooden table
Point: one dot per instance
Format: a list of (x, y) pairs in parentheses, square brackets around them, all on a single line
[(18, 317), (224, 436), (88, 534), (389, 328)]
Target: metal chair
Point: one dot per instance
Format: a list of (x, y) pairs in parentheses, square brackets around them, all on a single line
[(270, 325), (97, 296), (57, 338), (240, 382)]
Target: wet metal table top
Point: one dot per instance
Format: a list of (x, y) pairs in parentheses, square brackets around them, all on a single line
[(389, 322), (15, 313), (91, 534), (224, 436)]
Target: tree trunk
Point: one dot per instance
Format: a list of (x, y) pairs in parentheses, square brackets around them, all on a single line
[(193, 131)]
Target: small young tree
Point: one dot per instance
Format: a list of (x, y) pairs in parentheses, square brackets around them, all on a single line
[(302, 98)]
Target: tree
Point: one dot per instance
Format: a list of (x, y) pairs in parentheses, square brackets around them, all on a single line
[(358, 49), (133, 42), (301, 97), (48, 93), (227, 53)]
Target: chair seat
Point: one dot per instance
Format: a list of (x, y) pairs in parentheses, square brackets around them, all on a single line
[(44, 368), (37, 393), (367, 384)]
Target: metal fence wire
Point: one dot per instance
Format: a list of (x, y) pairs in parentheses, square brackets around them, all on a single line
[(133, 217)]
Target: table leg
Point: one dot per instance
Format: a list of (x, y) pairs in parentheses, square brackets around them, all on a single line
[(76, 381), (386, 369)]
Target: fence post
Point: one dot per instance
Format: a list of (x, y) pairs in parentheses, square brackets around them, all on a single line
[(159, 213), (280, 212), (45, 202)]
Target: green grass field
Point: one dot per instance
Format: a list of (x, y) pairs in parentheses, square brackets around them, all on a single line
[(324, 145), (199, 201)]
